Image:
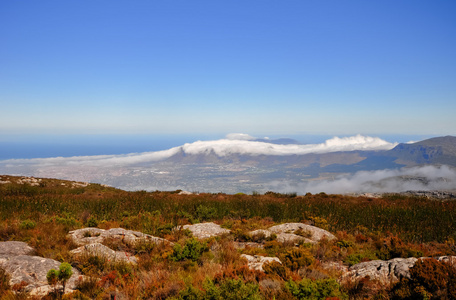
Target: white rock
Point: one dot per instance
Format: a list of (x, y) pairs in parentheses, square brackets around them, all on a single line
[(131, 238), (33, 270), (104, 252), (316, 233), (385, 272), (292, 238), (206, 230), (256, 262)]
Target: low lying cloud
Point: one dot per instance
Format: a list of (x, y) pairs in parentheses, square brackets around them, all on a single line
[(381, 181), (233, 144), (226, 147)]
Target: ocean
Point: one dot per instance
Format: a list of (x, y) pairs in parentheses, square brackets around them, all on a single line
[(42, 146)]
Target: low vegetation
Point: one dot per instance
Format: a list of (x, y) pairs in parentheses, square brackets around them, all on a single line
[(366, 229)]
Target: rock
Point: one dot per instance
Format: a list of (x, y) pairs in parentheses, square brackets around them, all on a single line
[(104, 252), (292, 238), (315, 233), (14, 248), (29, 180), (131, 238), (32, 271), (256, 262), (206, 230), (448, 259), (280, 236), (442, 195), (86, 236), (336, 266), (185, 193), (79, 184), (385, 272), (243, 245), (286, 233), (260, 233), (389, 271)]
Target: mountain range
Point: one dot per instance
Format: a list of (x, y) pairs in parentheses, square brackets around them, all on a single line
[(340, 165)]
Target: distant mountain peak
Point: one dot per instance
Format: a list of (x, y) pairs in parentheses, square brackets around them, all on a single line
[(437, 150)]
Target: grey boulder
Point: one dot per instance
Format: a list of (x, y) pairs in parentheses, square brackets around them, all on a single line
[(91, 235), (206, 230), (31, 272), (97, 249), (256, 262)]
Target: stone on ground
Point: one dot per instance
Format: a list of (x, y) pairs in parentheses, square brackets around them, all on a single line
[(256, 262), (206, 230)]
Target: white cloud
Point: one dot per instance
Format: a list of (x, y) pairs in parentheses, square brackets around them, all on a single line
[(221, 147), (226, 147), (240, 136), (381, 181)]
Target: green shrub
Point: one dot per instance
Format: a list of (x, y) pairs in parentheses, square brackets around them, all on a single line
[(92, 222), (229, 289), (67, 221), (232, 289), (27, 224), (314, 289), (192, 250), (356, 258), (205, 213), (353, 259), (344, 244), (297, 258)]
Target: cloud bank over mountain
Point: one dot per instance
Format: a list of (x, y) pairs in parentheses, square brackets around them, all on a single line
[(242, 144), (381, 181), (244, 163)]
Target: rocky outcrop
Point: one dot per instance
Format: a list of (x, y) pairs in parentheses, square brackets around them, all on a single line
[(206, 230), (131, 238), (293, 238), (287, 233), (103, 252), (390, 271), (447, 259), (256, 262), (385, 272), (14, 248), (260, 233), (442, 195), (314, 233), (28, 270), (244, 245)]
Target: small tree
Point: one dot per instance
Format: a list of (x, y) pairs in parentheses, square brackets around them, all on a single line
[(65, 272), (62, 275), (52, 277)]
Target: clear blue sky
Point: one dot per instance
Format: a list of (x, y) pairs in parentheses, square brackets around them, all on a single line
[(179, 67)]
